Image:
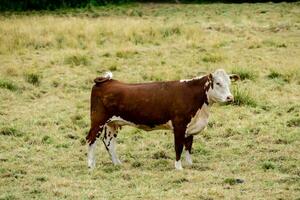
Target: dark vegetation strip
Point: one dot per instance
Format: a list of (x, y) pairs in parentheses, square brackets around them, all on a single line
[(23, 5)]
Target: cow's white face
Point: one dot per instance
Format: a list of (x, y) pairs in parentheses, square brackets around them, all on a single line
[(220, 91)]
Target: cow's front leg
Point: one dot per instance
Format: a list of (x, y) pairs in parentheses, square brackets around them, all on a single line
[(179, 142), (188, 149), (109, 141)]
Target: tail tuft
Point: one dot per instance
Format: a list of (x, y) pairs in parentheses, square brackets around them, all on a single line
[(108, 75)]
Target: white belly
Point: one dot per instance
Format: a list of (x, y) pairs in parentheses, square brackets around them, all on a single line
[(198, 122), (196, 125), (121, 122)]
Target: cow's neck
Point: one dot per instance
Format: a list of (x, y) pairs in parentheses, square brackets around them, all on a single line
[(201, 87)]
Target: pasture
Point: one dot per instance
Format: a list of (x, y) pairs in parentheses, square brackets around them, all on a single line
[(48, 61)]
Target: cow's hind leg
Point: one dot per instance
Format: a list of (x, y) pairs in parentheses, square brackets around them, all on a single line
[(91, 155), (98, 119), (188, 149), (109, 140), (92, 145)]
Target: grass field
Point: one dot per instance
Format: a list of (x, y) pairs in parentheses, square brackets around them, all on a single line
[(47, 65)]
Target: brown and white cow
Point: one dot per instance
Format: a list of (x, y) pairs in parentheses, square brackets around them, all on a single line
[(181, 106)]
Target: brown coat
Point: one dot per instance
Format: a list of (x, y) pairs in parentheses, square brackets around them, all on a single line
[(149, 104)]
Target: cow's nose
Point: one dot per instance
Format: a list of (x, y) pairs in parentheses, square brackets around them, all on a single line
[(229, 98)]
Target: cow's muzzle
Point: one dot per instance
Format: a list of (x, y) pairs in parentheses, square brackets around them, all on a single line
[(229, 99)]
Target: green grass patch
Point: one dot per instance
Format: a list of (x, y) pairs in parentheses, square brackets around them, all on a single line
[(201, 150), (295, 122), (274, 74), (170, 31), (77, 60), (9, 85), (244, 73), (113, 68), (268, 165), (180, 181), (243, 97), (136, 164), (126, 53), (41, 179), (33, 78), (277, 76), (233, 181), (212, 58), (64, 145), (271, 43), (10, 131), (47, 140), (283, 78)]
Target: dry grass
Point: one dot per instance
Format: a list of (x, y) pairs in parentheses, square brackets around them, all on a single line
[(48, 62)]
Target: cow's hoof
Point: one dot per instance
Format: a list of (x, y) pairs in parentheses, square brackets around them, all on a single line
[(189, 161), (91, 164), (178, 165), (188, 158)]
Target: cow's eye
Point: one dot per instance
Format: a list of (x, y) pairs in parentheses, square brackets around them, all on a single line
[(219, 84)]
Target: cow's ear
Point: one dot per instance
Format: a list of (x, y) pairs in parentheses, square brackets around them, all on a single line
[(234, 77)]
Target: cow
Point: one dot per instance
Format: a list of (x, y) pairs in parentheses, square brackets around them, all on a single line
[(181, 106)]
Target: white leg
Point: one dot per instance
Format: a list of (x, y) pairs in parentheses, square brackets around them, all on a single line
[(91, 155), (188, 158), (110, 144), (113, 153), (178, 165)]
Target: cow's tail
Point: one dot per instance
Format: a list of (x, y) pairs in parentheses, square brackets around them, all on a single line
[(107, 76)]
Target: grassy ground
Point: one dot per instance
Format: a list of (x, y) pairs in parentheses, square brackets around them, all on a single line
[(47, 65)]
